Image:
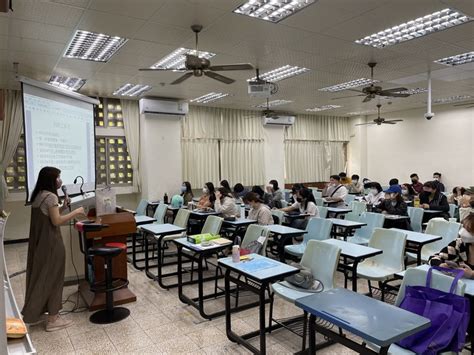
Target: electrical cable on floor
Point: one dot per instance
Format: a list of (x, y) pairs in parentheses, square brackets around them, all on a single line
[(17, 273)]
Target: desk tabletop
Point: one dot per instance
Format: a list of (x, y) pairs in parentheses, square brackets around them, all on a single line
[(282, 230), (468, 282), (417, 237), (139, 220), (161, 229), (346, 223), (199, 248), (154, 203), (296, 215), (240, 222), (353, 251), (432, 212), (339, 210), (204, 213), (260, 268), (395, 217), (363, 316)]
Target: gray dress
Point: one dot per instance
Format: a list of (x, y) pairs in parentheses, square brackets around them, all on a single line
[(45, 263)]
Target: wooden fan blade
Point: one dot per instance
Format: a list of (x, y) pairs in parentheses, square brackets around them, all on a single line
[(346, 97), (393, 120), (365, 124), (155, 69), (182, 78), (388, 122), (395, 89), (219, 77), (367, 98), (392, 94), (226, 67)]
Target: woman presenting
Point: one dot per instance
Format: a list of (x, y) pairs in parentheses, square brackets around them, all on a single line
[(46, 253)]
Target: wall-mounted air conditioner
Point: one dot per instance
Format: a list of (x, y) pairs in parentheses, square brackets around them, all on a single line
[(278, 121), (164, 107)]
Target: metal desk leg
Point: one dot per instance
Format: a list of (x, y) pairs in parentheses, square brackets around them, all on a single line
[(312, 335), (354, 275), (261, 309)]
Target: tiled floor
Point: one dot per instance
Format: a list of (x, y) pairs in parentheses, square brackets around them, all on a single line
[(159, 323)]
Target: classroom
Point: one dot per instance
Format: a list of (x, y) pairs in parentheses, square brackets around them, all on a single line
[(237, 176)]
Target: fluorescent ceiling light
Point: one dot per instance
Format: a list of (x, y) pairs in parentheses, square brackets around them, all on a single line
[(457, 59), (66, 82), (349, 85), (175, 60), (322, 108), (284, 72), (212, 96), (413, 91), (131, 90), (358, 113), (273, 103), (422, 26), (97, 47), (272, 10), (445, 100)]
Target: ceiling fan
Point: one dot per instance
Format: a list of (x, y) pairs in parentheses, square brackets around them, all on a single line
[(371, 91), (196, 66), (379, 120), (467, 104)]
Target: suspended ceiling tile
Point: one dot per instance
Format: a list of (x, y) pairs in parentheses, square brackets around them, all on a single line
[(46, 12), (164, 34), (36, 30), (35, 46), (77, 3), (81, 68), (141, 9), (4, 25), (111, 24)]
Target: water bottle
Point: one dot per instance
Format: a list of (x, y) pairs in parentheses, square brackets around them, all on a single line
[(242, 211), (416, 201), (165, 199), (235, 254)]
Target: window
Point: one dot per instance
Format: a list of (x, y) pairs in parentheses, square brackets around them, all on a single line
[(15, 175)]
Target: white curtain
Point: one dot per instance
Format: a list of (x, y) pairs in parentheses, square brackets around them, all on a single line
[(10, 135), (200, 161), (242, 161), (131, 123), (319, 128)]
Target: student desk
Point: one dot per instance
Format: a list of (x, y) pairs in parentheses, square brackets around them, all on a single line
[(157, 232), (338, 210), (347, 227), (199, 254), (240, 224), (355, 253), (377, 322), (393, 221), (416, 241), (260, 272), (139, 221), (285, 233), (429, 214)]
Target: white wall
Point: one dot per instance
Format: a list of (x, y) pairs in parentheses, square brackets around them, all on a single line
[(444, 144), (357, 147), (160, 155), (274, 154)]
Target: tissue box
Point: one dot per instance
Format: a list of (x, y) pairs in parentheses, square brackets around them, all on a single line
[(198, 238)]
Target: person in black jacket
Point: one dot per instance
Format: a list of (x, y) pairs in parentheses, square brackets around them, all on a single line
[(393, 204), (432, 199)]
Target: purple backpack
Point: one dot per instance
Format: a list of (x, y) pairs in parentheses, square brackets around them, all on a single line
[(449, 315)]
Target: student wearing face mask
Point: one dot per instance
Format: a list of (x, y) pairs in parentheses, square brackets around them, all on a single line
[(258, 211), (407, 192), (275, 193), (226, 185), (416, 184), (466, 206), (393, 204), (459, 254), (437, 178), (375, 196), (208, 196), (186, 192), (225, 203), (432, 199), (355, 187), (305, 204), (335, 192)]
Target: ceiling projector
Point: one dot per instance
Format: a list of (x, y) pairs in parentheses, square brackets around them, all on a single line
[(260, 89)]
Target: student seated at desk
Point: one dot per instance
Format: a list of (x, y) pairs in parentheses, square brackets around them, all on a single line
[(294, 191), (258, 211), (276, 194), (355, 187), (305, 204), (186, 193), (437, 178), (393, 202), (225, 184), (225, 203), (375, 196), (466, 206), (344, 179), (239, 191), (432, 199), (335, 192), (208, 196), (266, 198), (459, 254), (456, 195), (416, 184), (408, 193)]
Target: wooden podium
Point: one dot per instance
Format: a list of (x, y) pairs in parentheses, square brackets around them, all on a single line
[(119, 226)]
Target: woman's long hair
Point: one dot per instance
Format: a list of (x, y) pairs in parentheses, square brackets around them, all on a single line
[(46, 181)]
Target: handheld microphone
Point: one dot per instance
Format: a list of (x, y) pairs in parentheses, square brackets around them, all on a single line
[(66, 197), (82, 184)]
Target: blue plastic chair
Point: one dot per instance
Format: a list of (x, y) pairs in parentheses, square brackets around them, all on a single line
[(141, 208), (362, 235), (323, 212), (317, 194), (160, 213), (452, 210), (358, 207), (349, 198), (319, 201), (318, 229), (416, 218)]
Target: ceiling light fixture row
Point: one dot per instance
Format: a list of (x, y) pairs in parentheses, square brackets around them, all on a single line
[(414, 91), (323, 108), (422, 26), (273, 103), (177, 58), (272, 10), (93, 46), (211, 97), (360, 113), (284, 72), (65, 82), (449, 99), (349, 85), (457, 59), (131, 90)]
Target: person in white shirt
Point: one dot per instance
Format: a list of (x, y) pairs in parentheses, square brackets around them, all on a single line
[(304, 203), (375, 196), (225, 203), (258, 211), (355, 187), (335, 192)]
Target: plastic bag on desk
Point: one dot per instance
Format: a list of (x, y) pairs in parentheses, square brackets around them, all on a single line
[(106, 201)]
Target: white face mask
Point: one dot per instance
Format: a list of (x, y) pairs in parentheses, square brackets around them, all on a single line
[(205, 190), (405, 192), (436, 178), (374, 191), (466, 236), (355, 181)]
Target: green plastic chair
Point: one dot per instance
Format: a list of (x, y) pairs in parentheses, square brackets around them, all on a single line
[(319, 201), (181, 220), (160, 213), (254, 232), (317, 229), (416, 218), (141, 208), (212, 225), (323, 212), (279, 214), (358, 207)]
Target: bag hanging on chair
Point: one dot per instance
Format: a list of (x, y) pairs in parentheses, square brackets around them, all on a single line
[(449, 315)]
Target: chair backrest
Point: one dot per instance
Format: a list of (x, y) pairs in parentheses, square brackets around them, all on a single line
[(453, 230), (392, 243), (358, 206), (160, 213), (373, 220), (322, 258), (317, 194), (182, 218), (417, 277), (323, 211), (318, 229), (441, 227), (279, 214), (416, 218), (253, 232), (284, 203), (212, 225), (349, 198), (452, 210), (319, 201), (352, 216), (141, 208)]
